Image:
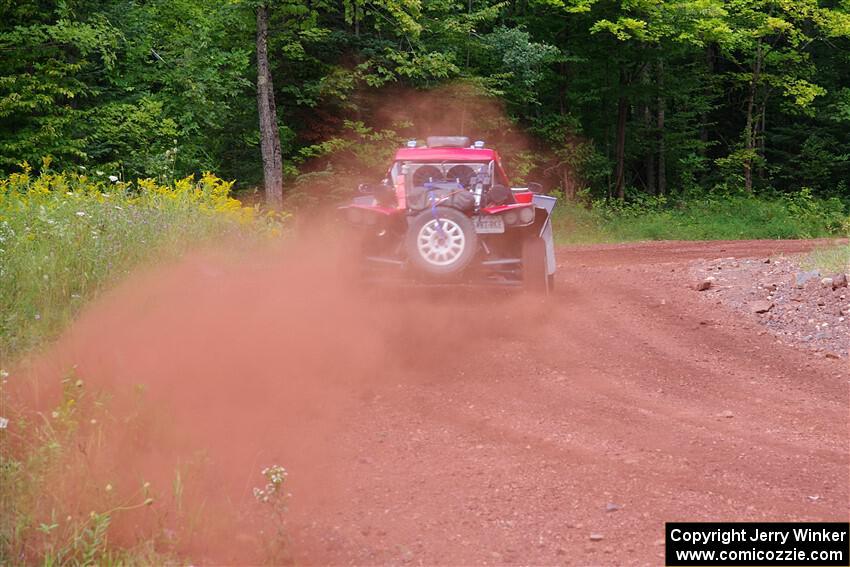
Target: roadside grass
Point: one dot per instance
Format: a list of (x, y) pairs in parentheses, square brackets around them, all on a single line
[(64, 237), (55, 511), (716, 217), (829, 260)]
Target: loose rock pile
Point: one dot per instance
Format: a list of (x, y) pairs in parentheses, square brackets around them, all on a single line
[(804, 308)]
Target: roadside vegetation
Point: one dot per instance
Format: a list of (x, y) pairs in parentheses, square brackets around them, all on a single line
[(55, 509), (707, 217), (829, 259), (65, 237)]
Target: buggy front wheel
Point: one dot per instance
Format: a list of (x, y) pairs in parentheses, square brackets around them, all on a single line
[(441, 243)]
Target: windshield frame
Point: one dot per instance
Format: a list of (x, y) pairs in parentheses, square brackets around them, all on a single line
[(487, 167)]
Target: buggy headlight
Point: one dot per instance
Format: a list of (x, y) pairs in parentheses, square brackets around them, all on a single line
[(526, 215), (511, 217)]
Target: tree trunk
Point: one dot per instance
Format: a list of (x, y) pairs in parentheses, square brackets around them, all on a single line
[(748, 142), (662, 157), (269, 135), (761, 140), (620, 150), (649, 160), (562, 89), (703, 127), (568, 182), (750, 128), (356, 18)]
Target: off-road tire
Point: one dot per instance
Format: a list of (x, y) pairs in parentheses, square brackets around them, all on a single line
[(422, 250)]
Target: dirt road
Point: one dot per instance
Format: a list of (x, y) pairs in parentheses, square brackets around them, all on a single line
[(420, 427), (603, 413)]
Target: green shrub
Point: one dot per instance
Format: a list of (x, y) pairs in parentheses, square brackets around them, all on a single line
[(712, 217), (64, 235)]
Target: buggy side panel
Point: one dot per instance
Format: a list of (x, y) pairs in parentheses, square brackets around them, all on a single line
[(548, 204)]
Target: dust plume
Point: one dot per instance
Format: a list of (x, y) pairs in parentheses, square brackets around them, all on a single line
[(212, 368), (386, 117)]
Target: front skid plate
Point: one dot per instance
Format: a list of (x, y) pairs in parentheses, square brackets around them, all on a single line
[(503, 272), (421, 284)]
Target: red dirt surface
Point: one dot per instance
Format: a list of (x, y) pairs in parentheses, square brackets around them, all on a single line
[(811, 314), (454, 427)]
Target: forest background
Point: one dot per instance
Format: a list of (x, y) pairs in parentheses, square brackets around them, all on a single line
[(703, 108)]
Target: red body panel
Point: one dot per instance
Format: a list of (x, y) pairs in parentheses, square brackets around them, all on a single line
[(502, 208), (523, 198), (446, 154)]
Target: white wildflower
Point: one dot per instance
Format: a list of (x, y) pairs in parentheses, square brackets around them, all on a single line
[(4, 373), (276, 475), (81, 213), (99, 172), (113, 178), (4, 422)]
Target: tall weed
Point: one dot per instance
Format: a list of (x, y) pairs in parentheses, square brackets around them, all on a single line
[(63, 236)]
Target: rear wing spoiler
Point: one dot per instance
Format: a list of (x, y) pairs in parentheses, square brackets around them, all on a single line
[(544, 202), (547, 203)]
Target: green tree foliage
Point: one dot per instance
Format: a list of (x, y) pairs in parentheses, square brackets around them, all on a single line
[(606, 97), (46, 58)]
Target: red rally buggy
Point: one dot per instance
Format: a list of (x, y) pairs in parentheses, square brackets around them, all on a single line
[(446, 212)]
